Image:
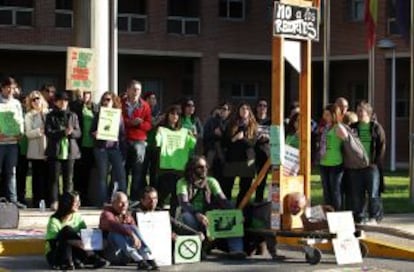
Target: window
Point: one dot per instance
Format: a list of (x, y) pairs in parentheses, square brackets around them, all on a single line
[(392, 24), (402, 101), (183, 17), (359, 92), (244, 90), (16, 13), (232, 9), (132, 15), (64, 13), (357, 10), (34, 82)]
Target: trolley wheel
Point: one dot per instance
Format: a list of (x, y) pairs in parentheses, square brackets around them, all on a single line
[(364, 249), (313, 255)]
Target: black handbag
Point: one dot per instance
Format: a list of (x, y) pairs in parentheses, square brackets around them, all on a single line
[(9, 214)]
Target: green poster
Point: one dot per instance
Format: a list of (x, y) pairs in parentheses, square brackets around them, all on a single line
[(9, 126), (187, 249), (108, 124), (277, 143), (225, 223)]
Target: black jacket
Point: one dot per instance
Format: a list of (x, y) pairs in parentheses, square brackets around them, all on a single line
[(56, 123)]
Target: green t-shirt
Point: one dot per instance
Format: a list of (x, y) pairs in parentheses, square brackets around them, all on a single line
[(55, 225), (365, 137), (292, 140), (63, 149), (187, 123), (198, 201), (87, 140), (333, 155), (175, 147)]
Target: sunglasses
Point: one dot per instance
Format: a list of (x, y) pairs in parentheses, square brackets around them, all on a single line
[(35, 99)]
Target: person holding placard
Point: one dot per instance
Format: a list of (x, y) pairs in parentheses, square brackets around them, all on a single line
[(123, 235), (11, 129), (109, 151), (197, 193), (64, 248)]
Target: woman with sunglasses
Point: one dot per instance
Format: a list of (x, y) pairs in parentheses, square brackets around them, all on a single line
[(191, 122), (109, 152), (34, 121)]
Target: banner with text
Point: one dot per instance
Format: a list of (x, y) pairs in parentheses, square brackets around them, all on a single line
[(80, 69)]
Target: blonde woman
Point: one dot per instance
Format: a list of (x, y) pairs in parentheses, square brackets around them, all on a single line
[(34, 121)]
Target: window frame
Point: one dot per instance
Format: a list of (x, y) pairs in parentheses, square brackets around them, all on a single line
[(228, 17), (14, 10), (243, 85), (131, 16), (64, 11), (353, 11), (183, 20)]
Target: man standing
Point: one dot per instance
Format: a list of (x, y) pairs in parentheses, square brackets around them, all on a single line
[(122, 233), (137, 119), (11, 129)]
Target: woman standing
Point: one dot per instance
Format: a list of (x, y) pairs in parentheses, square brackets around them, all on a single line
[(62, 130), (34, 121), (240, 139), (176, 144), (109, 152), (262, 147), (191, 122), (331, 161), (64, 247)]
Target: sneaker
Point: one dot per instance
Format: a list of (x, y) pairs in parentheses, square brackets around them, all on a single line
[(20, 205), (78, 264), (153, 264), (100, 263), (143, 265), (372, 222)]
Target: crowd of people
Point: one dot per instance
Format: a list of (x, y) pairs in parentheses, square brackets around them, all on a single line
[(58, 136)]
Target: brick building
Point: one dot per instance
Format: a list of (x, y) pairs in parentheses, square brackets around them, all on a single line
[(211, 50)]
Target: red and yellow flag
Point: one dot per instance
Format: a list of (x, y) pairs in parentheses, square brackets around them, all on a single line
[(370, 18)]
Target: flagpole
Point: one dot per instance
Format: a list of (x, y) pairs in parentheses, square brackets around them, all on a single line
[(411, 166)]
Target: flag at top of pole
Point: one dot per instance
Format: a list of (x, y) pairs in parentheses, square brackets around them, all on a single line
[(370, 18)]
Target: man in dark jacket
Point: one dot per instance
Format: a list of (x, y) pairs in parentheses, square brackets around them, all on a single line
[(368, 181)]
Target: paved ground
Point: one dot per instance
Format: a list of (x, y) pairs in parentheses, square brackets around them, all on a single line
[(294, 263)]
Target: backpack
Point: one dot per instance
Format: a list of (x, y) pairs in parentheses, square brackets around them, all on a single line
[(353, 152)]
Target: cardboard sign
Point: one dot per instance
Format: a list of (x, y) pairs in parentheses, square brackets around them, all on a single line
[(291, 162), (225, 223), (187, 249), (296, 22), (346, 246), (92, 239), (155, 228), (108, 124), (9, 125), (80, 67)]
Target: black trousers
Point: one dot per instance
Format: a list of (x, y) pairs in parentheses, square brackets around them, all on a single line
[(55, 166), (21, 175), (40, 181), (167, 184), (62, 253), (82, 173)]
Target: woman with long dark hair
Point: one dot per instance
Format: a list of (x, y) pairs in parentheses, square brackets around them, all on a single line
[(64, 247)]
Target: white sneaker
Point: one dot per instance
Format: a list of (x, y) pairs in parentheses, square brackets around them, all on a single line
[(372, 222)]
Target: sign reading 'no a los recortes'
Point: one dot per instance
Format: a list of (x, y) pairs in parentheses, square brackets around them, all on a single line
[(295, 22)]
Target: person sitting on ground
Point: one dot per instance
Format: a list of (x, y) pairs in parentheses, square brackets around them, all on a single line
[(197, 193), (122, 233), (149, 202), (64, 249)]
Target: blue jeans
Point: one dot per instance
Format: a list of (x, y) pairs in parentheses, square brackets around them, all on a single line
[(8, 163), (234, 244), (135, 160), (365, 183), (104, 157), (126, 244), (331, 178)]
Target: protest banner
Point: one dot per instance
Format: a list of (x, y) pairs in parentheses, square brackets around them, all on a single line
[(155, 228), (291, 162), (9, 126), (187, 249), (80, 69), (346, 245), (225, 223), (108, 124)]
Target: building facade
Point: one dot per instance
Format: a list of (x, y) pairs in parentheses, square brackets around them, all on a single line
[(211, 50)]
